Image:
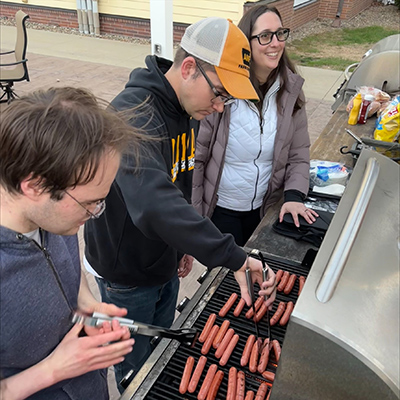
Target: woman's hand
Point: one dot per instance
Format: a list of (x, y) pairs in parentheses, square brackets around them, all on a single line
[(185, 266), (296, 209)]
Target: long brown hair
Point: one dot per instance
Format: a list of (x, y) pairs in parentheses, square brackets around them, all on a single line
[(59, 136), (246, 24)]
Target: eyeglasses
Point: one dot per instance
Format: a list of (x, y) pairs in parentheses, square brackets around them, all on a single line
[(219, 98), (265, 38), (98, 210)]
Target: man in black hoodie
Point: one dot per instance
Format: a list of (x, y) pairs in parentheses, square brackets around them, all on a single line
[(140, 246)]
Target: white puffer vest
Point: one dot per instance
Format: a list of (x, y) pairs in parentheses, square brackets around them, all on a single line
[(249, 154)]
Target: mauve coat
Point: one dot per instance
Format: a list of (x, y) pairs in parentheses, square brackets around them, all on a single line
[(290, 168)]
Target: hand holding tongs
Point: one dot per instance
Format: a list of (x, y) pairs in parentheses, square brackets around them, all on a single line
[(185, 335), (256, 253)]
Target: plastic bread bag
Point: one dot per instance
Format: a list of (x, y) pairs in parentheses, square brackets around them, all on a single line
[(325, 173), (380, 97), (388, 123)]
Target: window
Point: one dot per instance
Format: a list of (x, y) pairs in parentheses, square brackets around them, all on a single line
[(299, 2)]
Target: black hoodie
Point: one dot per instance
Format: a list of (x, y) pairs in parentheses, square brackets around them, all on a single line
[(148, 222)]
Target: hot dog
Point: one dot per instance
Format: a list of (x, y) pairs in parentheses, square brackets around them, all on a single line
[(247, 350), (285, 318), (278, 313), (224, 344), (302, 281), (263, 362), (269, 394), (232, 383), (277, 349), (205, 387), (270, 376), (207, 344), (212, 393), (262, 391), (229, 350), (257, 305), (221, 334), (261, 312), (197, 374), (227, 306), (207, 328), (278, 276), (254, 357), (283, 281), (240, 388), (289, 286), (249, 395), (186, 375), (239, 308)]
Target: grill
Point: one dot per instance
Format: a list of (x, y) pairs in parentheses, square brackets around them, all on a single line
[(163, 371)]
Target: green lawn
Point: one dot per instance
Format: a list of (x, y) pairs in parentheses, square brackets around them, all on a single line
[(312, 50)]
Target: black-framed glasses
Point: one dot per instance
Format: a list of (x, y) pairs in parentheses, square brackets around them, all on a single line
[(266, 37), (98, 210), (219, 98)]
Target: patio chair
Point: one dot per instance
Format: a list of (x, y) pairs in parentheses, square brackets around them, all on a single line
[(10, 75)]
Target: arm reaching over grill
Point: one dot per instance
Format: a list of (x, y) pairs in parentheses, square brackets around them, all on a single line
[(268, 287)]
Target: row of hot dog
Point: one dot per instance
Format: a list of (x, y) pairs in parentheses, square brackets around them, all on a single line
[(224, 340)]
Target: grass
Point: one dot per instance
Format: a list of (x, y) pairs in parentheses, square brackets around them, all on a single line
[(322, 50)]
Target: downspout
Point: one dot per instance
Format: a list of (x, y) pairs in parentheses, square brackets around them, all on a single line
[(90, 16), (337, 21), (85, 17), (96, 19), (79, 13)]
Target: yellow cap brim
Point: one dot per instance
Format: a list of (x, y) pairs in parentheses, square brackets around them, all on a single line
[(237, 85)]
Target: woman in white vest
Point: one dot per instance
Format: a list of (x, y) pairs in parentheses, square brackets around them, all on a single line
[(251, 154)]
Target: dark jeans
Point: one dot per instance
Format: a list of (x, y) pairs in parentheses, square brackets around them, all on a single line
[(241, 224), (153, 305)]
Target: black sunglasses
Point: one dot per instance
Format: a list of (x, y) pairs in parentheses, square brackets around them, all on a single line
[(265, 38)]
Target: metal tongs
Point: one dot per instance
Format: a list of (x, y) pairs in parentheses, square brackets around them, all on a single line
[(257, 254), (186, 335)]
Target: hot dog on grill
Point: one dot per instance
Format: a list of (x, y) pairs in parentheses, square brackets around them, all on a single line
[(227, 306), (224, 344), (221, 333), (257, 305), (302, 281), (207, 328), (261, 312), (239, 308), (283, 282), (187, 372), (205, 387), (268, 375), (289, 286), (232, 383), (227, 353), (254, 357), (197, 374), (263, 361), (277, 349), (278, 276), (285, 318), (278, 313), (247, 350), (207, 344), (262, 391), (212, 393), (249, 395), (241, 383)]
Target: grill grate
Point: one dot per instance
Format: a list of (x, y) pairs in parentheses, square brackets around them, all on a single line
[(167, 384)]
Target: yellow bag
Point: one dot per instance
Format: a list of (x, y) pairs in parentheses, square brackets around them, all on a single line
[(388, 123)]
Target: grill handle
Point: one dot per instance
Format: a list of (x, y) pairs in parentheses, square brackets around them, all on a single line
[(341, 251)]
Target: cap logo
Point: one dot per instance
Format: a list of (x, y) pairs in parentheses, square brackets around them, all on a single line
[(246, 57)]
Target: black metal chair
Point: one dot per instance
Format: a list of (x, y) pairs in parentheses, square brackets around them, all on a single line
[(10, 75)]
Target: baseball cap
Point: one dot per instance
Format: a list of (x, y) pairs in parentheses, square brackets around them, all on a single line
[(219, 42)]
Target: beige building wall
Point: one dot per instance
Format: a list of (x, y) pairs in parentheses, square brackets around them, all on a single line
[(184, 11)]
